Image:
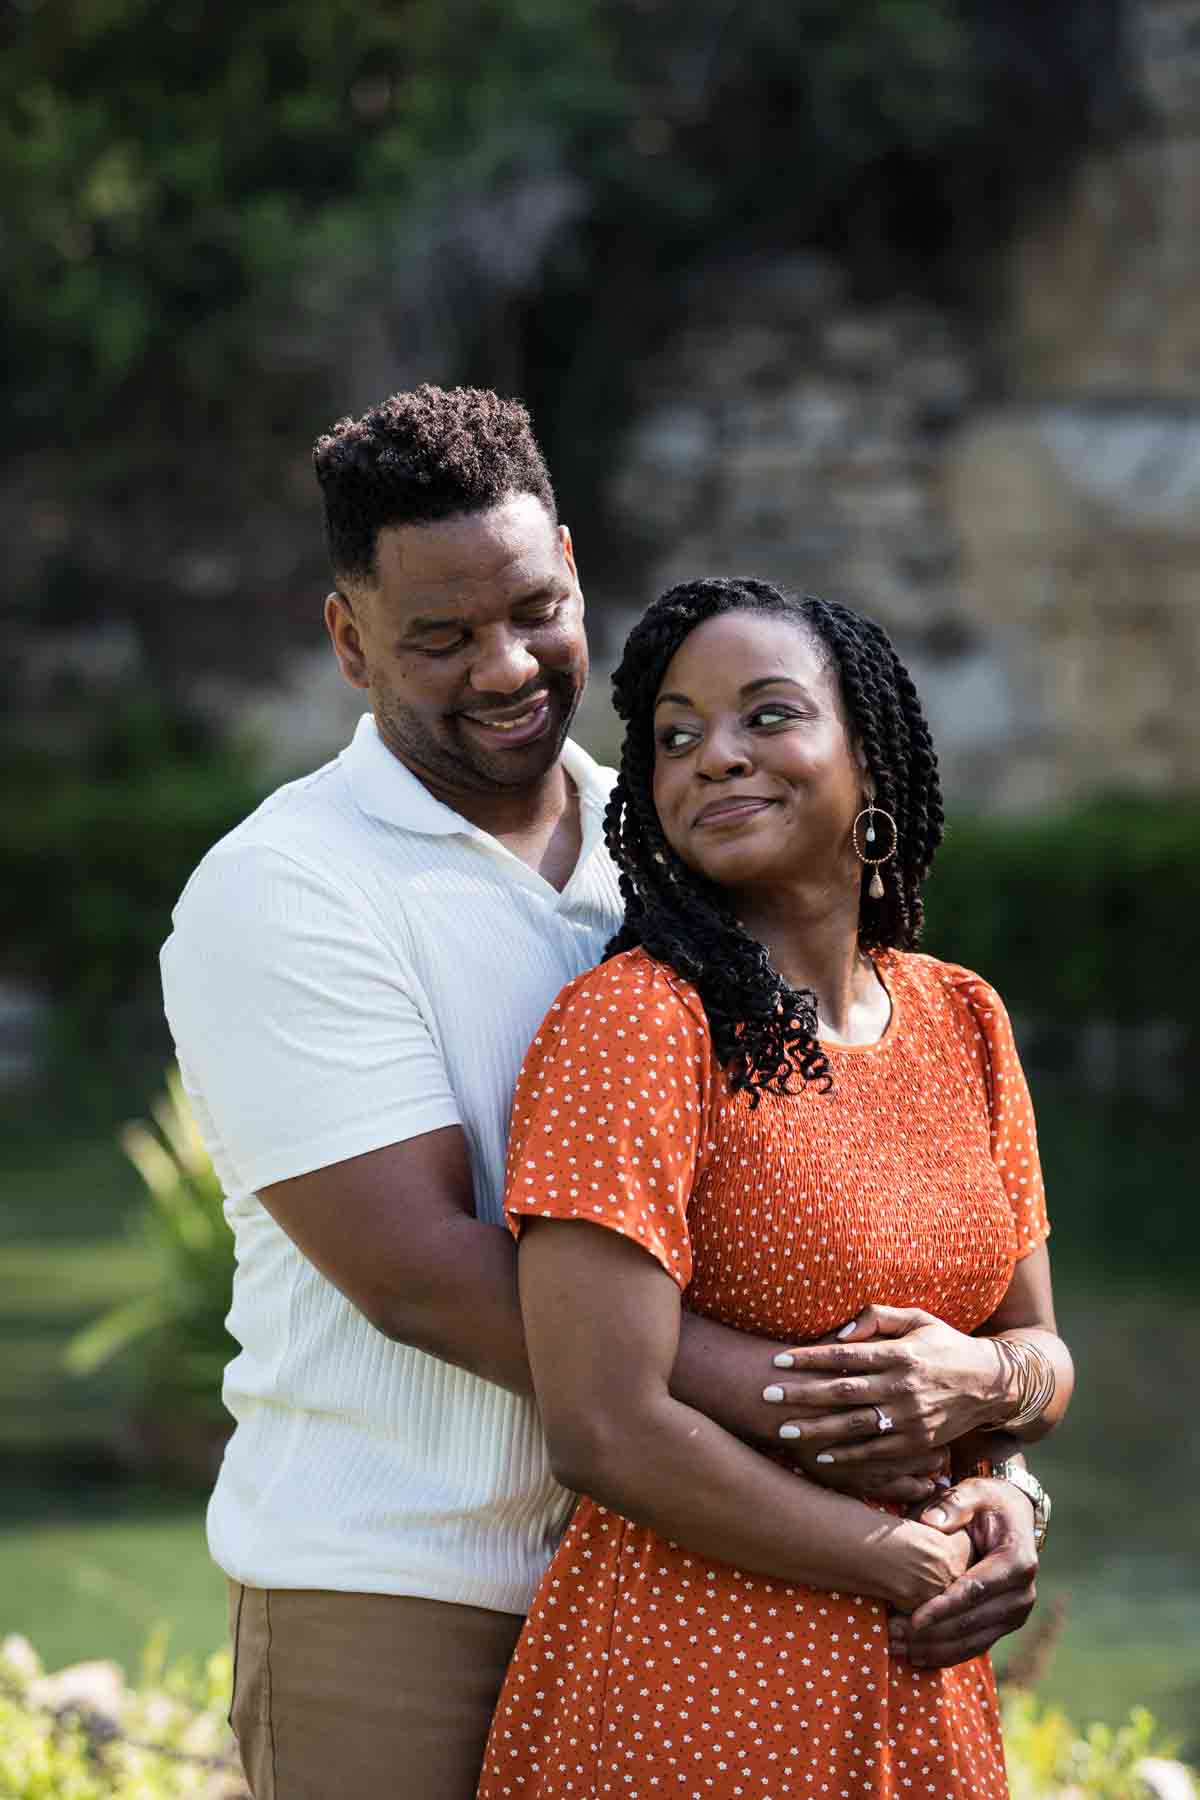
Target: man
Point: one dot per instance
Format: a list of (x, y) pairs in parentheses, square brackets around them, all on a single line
[(352, 980)]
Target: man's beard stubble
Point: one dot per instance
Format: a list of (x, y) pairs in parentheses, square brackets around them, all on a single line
[(454, 762)]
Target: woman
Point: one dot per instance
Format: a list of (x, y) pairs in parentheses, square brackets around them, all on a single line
[(771, 1104)]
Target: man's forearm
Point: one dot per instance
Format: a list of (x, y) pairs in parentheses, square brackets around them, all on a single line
[(721, 1373), (468, 1313), (471, 1316)]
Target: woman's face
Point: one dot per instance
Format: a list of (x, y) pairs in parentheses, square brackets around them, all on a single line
[(756, 782)]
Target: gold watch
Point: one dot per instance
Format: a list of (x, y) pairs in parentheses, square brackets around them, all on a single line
[(1009, 1469)]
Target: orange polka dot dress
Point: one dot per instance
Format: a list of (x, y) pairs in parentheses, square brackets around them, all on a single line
[(645, 1669)]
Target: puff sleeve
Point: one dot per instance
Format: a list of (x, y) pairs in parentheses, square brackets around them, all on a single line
[(1014, 1132), (610, 1120)]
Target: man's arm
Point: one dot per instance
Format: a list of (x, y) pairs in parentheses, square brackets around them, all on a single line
[(396, 1232), (303, 1035)]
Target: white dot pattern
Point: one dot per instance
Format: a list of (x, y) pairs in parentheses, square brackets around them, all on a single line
[(644, 1669)]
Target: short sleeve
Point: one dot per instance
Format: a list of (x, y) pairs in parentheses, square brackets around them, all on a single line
[(1014, 1132), (302, 1032), (611, 1110)]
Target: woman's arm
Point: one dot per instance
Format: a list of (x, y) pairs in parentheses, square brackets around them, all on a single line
[(602, 1329)]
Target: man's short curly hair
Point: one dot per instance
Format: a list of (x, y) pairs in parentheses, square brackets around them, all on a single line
[(420, 457)]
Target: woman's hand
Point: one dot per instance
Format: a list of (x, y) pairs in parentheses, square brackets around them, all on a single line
[(895, 1388), (994, 1596)]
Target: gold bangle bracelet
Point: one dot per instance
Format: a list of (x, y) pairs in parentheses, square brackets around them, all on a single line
[(1035, 1381)]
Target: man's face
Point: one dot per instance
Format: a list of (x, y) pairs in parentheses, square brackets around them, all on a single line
[(471, 646)]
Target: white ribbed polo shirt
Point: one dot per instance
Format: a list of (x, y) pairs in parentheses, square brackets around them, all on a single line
[(354, 965)]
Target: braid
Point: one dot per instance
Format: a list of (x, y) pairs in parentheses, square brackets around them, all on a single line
[(763, 1030)]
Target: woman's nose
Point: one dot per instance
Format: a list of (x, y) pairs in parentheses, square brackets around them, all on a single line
[(723, 754)]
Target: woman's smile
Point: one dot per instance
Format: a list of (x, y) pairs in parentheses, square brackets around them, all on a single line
[(734, 809)]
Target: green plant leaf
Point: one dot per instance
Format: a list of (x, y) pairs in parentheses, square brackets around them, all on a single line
[(113, 1332)]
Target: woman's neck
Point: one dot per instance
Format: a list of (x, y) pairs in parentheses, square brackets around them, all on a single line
[(812, 940)]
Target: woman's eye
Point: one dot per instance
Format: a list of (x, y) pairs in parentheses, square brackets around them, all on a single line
[(771, 715), (674, 739)]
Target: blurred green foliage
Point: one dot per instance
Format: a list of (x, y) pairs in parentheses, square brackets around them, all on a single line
[(96, 849), (1078, 915), (176, 1324), (1048, 1756), (181, 180)]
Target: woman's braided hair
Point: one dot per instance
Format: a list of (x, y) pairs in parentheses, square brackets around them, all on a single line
[(763, 1031)]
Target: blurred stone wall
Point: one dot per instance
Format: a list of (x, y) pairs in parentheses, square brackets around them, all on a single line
[(1033, 542), (791, 435), (1017, 500), (1077, 505)]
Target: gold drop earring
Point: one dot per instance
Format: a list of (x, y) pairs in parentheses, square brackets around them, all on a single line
[(868, 851)]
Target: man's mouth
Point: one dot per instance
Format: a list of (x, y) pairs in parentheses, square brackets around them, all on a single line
[(513, 725)]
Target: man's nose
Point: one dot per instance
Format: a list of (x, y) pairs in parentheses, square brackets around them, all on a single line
[(504, 664)]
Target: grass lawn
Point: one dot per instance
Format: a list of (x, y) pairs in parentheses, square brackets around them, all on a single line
[(90, 1567), (91, 1562)]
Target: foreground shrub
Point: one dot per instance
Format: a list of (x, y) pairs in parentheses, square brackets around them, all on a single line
[(83, 1734), (1050, 1759)]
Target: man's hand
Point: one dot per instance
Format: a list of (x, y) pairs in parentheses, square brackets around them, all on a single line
[(898, 1386), (997, 1592)]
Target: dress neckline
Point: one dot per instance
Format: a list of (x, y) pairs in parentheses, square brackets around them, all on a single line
[(832, 1047)]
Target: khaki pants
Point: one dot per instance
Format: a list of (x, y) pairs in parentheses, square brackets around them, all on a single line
[(363, 1696)]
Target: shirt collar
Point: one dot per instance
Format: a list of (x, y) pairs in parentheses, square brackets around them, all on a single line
[(383, 788)]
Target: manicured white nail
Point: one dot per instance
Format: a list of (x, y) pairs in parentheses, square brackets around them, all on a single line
[(785, 1360), (773, 1393), (789, 1431), (824, 1456), (848, 1330)]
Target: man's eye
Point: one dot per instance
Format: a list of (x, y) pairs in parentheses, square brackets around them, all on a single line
[(543, 615), (443, 649)]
